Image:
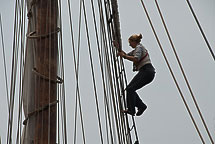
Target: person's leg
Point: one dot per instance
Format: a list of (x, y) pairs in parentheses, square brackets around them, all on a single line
[(132, 97), (131, 101), (140, 80), (138, 102), (141, 107)]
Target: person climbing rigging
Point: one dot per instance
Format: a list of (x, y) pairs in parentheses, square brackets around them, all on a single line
[(146, 73)]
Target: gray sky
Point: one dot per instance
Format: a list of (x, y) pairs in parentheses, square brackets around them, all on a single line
[(166, 120)]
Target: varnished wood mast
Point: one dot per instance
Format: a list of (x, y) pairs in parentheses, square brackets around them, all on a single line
[(46, 56)]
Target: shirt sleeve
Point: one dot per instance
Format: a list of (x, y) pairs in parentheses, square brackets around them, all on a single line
[(138, 53), (131, 53)]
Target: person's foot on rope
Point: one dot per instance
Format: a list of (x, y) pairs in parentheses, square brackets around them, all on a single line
[(141, 110), (126, 111)]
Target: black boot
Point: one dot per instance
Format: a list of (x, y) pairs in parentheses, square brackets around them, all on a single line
[(128, 112), (141, 110)]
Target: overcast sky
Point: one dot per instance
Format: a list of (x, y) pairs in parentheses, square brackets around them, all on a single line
[(166, 120)]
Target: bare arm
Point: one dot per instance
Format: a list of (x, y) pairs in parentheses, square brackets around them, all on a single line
[(125, 56)]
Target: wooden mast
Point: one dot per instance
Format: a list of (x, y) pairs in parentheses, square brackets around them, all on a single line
[(46, 56)]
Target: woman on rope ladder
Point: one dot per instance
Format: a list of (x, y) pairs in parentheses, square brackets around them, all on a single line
[(146, 73)]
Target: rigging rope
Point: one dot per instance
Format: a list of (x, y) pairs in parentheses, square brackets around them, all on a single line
[(120, 126), (22, 7), (116, 67), (112, 71), (4, 62), (184, 75), (107, 67), (104, 34), (100, 59), (62, 75), (203, 34), (17, 29), (173, 76), (114, 103), (92, 71), (76, 67)]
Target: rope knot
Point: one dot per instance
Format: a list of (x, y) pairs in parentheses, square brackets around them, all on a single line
[(29, 14)]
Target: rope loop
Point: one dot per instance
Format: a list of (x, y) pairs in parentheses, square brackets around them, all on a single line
[(59, 80), (32, 35), (32, 3), (131, 128), (29, 15), (39, 110)]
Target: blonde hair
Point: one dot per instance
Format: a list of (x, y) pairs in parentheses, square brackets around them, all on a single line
[(136, 38)]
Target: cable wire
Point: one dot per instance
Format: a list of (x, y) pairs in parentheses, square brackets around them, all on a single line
[(100, 58), (173, 76), (17, 28), (203, 34), (4, 62), (92, 71), (62, 70), (76, 68), (184, 75)]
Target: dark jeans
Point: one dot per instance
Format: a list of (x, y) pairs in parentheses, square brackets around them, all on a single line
[(145, 75)]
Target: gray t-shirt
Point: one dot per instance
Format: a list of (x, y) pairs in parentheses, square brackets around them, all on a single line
[(139, 52)]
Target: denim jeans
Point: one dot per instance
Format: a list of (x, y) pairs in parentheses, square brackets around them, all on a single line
[(145, 75)]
